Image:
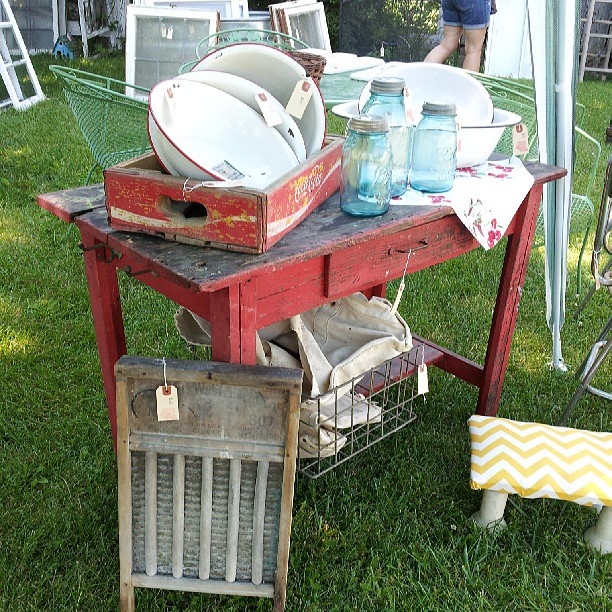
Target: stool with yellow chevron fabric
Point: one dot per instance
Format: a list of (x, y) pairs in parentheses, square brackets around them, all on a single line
[(534, 460)]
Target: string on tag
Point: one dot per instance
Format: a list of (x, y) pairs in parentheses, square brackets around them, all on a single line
[(166, 389), (228, 184), (402, 286)]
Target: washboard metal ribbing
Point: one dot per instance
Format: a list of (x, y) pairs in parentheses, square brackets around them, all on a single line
[(205, 501)]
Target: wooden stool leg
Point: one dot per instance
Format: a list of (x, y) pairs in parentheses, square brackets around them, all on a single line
[(599, 537), (491, 513)]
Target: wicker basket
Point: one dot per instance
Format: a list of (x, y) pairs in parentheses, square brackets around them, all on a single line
[(311, 62)]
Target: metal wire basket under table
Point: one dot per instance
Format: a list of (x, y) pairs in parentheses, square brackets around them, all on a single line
[(352, 417)]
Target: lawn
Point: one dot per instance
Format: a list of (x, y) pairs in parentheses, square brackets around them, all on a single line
[(387, 530)]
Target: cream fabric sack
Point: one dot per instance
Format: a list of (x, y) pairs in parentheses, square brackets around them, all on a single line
[(332, 343)]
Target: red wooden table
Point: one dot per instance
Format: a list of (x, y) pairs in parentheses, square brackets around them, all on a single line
[(328, 256)]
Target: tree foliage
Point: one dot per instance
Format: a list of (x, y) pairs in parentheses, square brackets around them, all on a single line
[(406, 28)]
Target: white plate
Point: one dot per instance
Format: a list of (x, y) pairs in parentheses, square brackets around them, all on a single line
[(276, 72), (246, 91), (156, 139), (440, 83), (208, 134)]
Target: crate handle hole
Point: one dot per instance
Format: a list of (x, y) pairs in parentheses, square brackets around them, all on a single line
[(193, 213)]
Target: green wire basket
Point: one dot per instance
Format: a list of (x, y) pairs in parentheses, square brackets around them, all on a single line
[(114, 124)]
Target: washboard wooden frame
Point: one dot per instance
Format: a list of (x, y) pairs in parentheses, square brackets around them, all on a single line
[(205, 501)]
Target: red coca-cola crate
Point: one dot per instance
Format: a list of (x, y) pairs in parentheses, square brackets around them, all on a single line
[(141, 197)]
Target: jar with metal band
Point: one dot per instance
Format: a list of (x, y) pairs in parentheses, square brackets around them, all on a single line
[(434, 153), (387, 100), (365, 190)]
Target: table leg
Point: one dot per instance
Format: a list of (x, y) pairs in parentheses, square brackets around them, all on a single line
[(506, 305), (233, 316), (108, 320)]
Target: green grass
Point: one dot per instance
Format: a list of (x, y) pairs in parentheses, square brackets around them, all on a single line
[(387, 530)]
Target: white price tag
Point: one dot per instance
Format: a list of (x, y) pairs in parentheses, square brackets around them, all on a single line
[(167, 403), (408, 106), (458, 135), (169, 33), (270, 114), (422, 381), (520, 139), (169, 95), (299, 98)]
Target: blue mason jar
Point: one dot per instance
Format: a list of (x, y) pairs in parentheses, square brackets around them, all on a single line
[(434, 153), (387, 100), (365, 189)]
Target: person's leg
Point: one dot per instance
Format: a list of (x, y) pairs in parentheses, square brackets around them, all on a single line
[(474, 40), (450, 40), (475, 20)]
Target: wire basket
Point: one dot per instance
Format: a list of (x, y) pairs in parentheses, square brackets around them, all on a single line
[(311, 62), (352, 417)]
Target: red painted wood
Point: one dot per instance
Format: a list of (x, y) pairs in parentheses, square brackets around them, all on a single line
[(457, 365), (108, 321), (141, 197), (82, 200), (225, 323), (375, 381), (363, 265), (248, 322), (327, 256), (506, 305)]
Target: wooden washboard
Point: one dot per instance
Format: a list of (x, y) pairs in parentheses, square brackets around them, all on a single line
[(205, 502)]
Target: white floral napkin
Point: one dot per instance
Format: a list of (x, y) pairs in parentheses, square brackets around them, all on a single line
[(485, 197)]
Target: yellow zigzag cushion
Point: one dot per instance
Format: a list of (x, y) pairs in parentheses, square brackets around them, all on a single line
[(535, 460)]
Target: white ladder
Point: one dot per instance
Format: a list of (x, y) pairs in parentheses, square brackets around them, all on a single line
[(590, 22), (8, 63)]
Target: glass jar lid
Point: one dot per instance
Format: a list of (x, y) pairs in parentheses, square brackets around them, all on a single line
[(435, 108), (387, 85), (367, 124)]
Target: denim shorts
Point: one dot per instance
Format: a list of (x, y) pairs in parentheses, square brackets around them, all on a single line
[(466, 14)]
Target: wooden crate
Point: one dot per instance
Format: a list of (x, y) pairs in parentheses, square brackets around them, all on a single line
[(205, 501), (140, 196)]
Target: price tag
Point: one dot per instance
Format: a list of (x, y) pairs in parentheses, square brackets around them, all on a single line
[(169, 33), (408, 106), (270, 114), (382, 50), (299, 99), (458, 135), (169, 95), (167, 403), (422, 381), (163, 31), (520, 139)]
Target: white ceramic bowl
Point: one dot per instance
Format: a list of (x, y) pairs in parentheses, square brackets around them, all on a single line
[(479, 141), (206, 134), (444, 84), (246, 91), (276, 72), (156, 138)]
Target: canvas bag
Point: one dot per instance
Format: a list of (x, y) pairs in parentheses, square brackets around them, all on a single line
[(331, 343)]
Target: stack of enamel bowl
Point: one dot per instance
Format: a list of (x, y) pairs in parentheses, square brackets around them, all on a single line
[(481, 125), (208, 125)]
